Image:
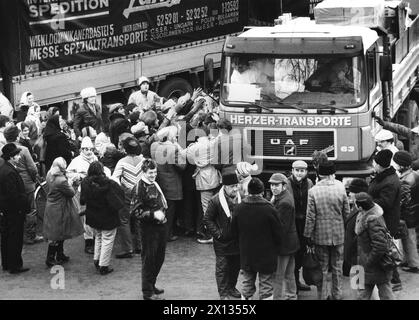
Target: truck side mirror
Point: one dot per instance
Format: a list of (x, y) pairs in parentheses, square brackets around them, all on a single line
[(386, 68), (209, 70)]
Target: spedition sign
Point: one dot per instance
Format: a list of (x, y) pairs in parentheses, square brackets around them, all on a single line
[(290, 121), (60, 33)]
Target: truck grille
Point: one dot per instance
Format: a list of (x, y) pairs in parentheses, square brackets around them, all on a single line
[(297, 144)]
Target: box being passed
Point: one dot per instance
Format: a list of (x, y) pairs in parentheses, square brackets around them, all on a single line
[(366, 13)]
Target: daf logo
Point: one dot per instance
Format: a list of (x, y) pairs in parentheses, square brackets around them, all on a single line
[(276, 141)]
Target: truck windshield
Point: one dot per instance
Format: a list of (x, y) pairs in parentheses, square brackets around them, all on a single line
[(307, 82)]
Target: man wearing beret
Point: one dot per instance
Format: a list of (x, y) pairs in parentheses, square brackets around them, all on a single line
[(327, 208), (298, 186), (14, 205), (385, 190), (409, 207), (257, 228), (217, 220), (289, 244)]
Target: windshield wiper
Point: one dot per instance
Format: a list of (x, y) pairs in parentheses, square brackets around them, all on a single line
[(253, 104), (323, 106), (279, 101)]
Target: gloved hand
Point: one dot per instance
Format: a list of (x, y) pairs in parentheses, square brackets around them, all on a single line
[(378, 119), (308, 241)]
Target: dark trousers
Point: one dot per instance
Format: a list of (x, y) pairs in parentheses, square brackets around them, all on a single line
[(12, 240), (227, 270), (172, 206), (300, 225), (153, 239)]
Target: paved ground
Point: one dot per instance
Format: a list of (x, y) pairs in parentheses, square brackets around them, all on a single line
[(188, 273)]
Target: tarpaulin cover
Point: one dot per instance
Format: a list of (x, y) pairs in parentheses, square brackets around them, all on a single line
[(39, 35)]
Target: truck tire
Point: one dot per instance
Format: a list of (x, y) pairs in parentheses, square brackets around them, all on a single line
[(174, 88)]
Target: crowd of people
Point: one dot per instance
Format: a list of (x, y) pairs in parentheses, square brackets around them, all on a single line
[(140, 174)]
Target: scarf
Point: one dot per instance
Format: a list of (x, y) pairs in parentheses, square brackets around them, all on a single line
[(163, 198), (223, 201), (88, 159)]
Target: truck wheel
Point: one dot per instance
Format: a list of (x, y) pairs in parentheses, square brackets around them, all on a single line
[(174, 88)]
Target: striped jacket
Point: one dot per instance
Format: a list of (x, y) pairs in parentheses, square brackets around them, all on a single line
[(327, 207), (126, 173)]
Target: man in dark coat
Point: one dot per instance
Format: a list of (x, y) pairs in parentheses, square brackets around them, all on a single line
[(257, 228), (217, 220), (298, 186), (385, 190), (283, 202), (14, 205)]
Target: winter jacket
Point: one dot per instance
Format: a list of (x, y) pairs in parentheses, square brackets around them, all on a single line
[(409, 205), (13, 198), (103, 199), (150, 200), (171, 161), (219, 226), (405, 132), (57, 143), (257, 228), (372, 244), (27, 168), (299, 191), (385, 190), (144, 102), (61, 218), (201, 154), (284, 205), (327, 207), (85, 117), (111, 158)]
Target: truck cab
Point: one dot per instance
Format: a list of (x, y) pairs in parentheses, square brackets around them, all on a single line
[(303, 86)]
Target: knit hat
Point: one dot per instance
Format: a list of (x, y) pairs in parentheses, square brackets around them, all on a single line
[(11, 132), (255, 186), (358, 185), (229, 178), (327, 168), (86, 143), (10, 150), (403, 158), (383, 158), (299, 164), (278, 178), (364, 200), (88, 92)]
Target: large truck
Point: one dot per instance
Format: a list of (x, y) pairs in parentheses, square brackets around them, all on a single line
[(305, 85), (56, 48)]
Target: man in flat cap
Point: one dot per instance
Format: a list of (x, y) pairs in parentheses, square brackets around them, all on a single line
[(289, 244), (298, 186), (327, 208), (217, 220)]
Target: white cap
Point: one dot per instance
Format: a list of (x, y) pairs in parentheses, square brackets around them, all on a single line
[(88, 92), (86, 143), (142, 79), (384, 135), (416, 130)]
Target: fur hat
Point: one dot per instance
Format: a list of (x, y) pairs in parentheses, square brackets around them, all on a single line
[(403, 158), (364, 200), (327, 168), (383, 158), (229, 178), (255, 186), (11, 132), (358, 185), (10, 150)]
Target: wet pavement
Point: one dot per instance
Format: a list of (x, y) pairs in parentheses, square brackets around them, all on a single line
[(187, 274)]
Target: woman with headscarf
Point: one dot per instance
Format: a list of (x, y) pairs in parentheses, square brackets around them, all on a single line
[(61, 219), (27, 99), (103, 199), (57, 143)]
